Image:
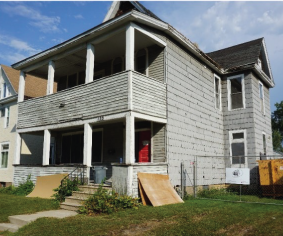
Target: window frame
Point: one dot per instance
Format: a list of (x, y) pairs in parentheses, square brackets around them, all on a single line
[(260, 86), (229, 91), (242, 140), (1, 151), (219, 93)]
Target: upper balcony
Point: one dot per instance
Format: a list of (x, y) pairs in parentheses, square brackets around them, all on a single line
[(122, 70), (106, 96)]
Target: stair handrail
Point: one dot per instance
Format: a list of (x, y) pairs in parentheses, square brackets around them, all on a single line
[(81, 173)]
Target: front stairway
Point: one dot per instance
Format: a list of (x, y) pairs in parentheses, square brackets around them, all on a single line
[(73, 202)]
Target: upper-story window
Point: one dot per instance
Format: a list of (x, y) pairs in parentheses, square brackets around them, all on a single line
[(72, 80), (238, 146), (7, 117), (236, 92), (217, 92), (261, 98), (4, 155), (117, 65), (5, 91), (141, 61)]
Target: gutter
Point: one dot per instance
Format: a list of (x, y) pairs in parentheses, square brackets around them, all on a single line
[(8, 99)]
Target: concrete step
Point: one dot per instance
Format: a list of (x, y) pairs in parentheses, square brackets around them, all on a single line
[(72, 199), (92, 188), (81, 195), (70, 206), (20, 220), (9, 227)]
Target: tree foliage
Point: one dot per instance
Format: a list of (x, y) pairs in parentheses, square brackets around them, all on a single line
[(277, 127)]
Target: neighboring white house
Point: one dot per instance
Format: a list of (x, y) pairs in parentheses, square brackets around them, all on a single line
[(135, 95), (9, 82)]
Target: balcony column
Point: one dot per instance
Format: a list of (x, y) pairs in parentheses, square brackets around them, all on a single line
[(130, 48), (89, 63), (130, 139), (46, 147), (50, 81), (21, 90), (17, 157), (87, 144)]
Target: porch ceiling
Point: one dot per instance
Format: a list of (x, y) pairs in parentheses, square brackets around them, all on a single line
[(109, 49)]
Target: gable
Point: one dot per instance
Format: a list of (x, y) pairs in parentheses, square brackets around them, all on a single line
[(119, 8)]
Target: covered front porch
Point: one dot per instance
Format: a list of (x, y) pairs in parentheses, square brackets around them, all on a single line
[(130, 139)]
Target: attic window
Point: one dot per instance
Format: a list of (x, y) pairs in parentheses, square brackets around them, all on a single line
[(259, 63)]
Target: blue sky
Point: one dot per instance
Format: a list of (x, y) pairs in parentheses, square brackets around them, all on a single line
[(27, 28)]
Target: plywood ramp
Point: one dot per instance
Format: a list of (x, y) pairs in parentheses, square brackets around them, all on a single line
[(45, 185), (157, 190)]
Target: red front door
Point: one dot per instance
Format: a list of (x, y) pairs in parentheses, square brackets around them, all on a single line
[(144, 146)]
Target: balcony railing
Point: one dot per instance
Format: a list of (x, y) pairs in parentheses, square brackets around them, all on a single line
[(106, 96)]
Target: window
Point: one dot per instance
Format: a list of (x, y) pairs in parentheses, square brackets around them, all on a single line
[(71, 80), (4, 155), (264, 143), (7, 117), (236, 92), (5, 91), (141, 61), (117, 65), (2, 112), (217, 92), (97, 145), (261, 97), (237, 146)]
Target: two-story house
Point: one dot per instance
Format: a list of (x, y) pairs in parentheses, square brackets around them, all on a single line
[(135, 95), (9, 82)]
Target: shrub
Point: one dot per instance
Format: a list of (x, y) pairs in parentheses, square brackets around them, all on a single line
[(105, 201), (23, 189), (66, 189), (213, 193)]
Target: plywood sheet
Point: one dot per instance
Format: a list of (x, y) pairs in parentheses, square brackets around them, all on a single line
[(158, 189), (45, 185)]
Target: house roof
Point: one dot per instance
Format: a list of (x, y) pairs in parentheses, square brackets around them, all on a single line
[(238, 55), (34, 86)]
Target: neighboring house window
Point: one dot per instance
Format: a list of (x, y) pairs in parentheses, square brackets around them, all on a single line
[(4, 155), (7, 117), (238, 146), (236, 92), (217, 92), (261, 97), (264, 143), (6, 91), (2, 112), (141, 61), (117, 65)]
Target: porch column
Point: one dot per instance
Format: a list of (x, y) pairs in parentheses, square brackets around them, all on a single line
[(17, 157), (46, 147), (50, 81), (130, 48), (21, 90), (89, 63), (87, 144), (130, 139)]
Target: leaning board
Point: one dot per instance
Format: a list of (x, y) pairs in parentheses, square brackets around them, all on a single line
[(157, 189), (45, 185)]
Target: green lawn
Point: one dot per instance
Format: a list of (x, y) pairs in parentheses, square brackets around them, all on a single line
[(17, 205), (194, 217)]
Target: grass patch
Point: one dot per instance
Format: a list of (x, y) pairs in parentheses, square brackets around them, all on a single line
[(194, 217), (16, 205)]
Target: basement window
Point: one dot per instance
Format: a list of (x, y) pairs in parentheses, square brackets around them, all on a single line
[(238, 147), (236, 92)]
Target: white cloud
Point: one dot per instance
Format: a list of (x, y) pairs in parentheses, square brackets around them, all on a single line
[(12, 57), (43, 22), (79, 16)]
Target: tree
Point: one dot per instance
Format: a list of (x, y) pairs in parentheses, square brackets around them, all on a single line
[(277, 127)]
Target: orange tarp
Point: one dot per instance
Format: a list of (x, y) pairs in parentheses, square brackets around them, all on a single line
[(157, 190), (45, 185)]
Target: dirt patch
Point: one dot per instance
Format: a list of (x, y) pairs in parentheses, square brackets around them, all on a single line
[(199, 217), (141, 229), (236, 230)]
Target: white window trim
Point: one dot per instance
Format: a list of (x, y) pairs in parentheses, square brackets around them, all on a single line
[(7, 110), (1, 145), (99, 130), (262, 96), (220, 94), (231, 132), (229, 91)]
